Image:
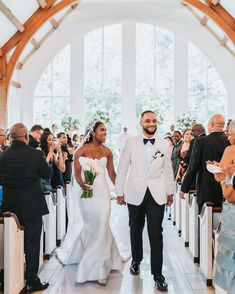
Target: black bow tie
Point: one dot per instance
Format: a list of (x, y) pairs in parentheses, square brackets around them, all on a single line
[(148, 140)]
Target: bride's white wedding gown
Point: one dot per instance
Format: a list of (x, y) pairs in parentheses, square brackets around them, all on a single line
[(89, 241)]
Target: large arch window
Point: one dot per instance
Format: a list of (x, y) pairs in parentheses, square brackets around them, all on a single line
[(52, 93)]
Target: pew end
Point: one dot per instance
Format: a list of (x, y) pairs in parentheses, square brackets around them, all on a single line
[(12, 253)]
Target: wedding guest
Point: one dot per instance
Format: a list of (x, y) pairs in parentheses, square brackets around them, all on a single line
[(3, 140), (55, 159), (21, 168), (210, 147), (177, 144), (225, 265), (35, 136)]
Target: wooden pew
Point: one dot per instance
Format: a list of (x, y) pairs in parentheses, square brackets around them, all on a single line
[(209, 220), (49, 226), (193, 227), (12, 253), (61, 215)]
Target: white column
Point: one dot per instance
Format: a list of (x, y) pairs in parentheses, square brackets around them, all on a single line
[(128, 75), (180, 76), (77, 79)]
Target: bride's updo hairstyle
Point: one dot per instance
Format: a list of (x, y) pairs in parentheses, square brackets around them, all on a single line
[(88, 138)]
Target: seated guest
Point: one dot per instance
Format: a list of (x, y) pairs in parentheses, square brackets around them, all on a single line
[(225, 263), (206, 148), (177, 144), (75, 141), (3, 140), (68, 157), (35, 136), (55, 159), (21, 168)]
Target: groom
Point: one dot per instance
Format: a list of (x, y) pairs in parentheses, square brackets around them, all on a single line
[(148, 188)]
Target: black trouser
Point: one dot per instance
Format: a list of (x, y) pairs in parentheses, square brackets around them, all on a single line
[(154, 214), (32, 237)]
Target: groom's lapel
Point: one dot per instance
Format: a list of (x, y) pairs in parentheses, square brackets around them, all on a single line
[(157, 146)]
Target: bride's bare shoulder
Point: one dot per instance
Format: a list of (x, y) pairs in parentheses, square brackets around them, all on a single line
[(108, 151)]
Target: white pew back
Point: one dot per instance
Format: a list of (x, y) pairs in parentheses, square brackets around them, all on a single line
[(49, 226), (178, 209), (193, 227), (185, 220), (61, 215), (13, 251), (209, 219)]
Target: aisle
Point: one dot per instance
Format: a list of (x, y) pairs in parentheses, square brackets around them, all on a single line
[(181, 274)]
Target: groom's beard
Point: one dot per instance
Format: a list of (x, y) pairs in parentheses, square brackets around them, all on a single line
[(149, 132)]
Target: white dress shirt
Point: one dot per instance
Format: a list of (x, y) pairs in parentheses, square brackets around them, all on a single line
[(148, 148)]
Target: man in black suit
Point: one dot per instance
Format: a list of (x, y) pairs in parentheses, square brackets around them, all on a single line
[(21, 168), (197, 131), (35, 136), (210, 147)]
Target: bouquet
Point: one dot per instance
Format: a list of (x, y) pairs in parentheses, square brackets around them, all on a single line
[(90, 170)]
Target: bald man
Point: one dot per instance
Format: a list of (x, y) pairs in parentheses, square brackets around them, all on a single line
[(21, 169), (210, 147)]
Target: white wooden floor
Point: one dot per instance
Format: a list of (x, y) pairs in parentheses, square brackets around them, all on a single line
[(181, 273)]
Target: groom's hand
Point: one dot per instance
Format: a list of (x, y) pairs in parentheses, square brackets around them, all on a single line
[(169, 200), (120, 200)]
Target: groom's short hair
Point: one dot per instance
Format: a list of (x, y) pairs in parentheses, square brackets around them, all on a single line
[(147, 111)]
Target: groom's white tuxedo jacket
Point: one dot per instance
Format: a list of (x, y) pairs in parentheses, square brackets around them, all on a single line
[(158, 176)]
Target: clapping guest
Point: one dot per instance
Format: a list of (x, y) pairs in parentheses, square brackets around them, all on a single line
[(55, 159), (68, 156), (183, 152)]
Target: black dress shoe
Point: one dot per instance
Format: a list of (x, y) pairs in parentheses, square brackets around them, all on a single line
[(160, 282), (35, 285), (135, 268)]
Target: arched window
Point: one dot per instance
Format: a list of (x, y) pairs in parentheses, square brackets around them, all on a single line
[(52, 93)]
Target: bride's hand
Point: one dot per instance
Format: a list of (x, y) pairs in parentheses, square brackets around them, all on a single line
[(120, 200), (85, 187)]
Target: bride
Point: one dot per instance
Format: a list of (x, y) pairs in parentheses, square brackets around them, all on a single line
[(93, 247)]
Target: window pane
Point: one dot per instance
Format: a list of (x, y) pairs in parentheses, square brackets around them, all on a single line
[(44, 86), (42, 111), (164, 61), (215, 84), (61, 108), (93, 64), (144, 60), (112, 60), (61, 72), (196, 71)]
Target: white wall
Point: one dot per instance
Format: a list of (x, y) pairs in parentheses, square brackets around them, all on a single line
[(169, 14)]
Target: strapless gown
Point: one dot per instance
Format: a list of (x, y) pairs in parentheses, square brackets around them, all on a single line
[(89, 242)]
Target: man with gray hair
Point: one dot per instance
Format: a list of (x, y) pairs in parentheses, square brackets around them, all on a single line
[(21, 170), (205, 148)]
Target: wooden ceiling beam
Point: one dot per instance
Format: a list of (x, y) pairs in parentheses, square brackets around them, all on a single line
[(3, 91), (7, 12), (212, 14), (13, 41), (31, 29), (224, 14), (215, 2)]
